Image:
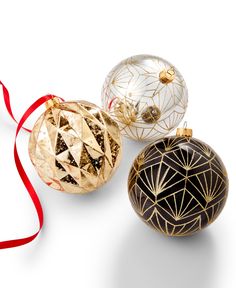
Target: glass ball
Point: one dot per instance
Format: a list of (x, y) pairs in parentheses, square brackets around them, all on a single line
[(178, 185), (75, 146), (146, 96)]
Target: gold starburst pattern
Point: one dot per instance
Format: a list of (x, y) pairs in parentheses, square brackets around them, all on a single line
[(149, 92), (75, 146), (179, 187)]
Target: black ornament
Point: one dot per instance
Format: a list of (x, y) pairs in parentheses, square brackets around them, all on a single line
[(178, 185)]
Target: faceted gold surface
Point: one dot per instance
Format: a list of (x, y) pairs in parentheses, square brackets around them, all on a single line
[(75, 146)]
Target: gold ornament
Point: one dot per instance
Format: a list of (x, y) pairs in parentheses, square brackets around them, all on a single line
[(75, 146), (146, 96)]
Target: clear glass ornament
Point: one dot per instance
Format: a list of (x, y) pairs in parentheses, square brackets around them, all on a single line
[(146, 95)]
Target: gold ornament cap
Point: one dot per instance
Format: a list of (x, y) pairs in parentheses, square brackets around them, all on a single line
[(167, 76), (52, 102), (184, 131)]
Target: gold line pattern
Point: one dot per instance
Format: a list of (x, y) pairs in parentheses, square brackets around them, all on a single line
[(75, 146), (178, 185), (145, 107)]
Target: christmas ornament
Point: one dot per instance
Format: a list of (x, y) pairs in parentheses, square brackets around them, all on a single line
[(178, 185), (75, 146), (146, 96)]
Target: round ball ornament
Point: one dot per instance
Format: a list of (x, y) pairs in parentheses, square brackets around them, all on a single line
[(146, 96), (75, 146), (178, 185)]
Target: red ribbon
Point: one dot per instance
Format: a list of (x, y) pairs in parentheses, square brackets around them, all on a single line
[(6, 97), (21, 171)]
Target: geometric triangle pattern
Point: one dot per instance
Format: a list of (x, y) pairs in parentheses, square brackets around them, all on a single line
[(144, 106), (178, 185), (75, 146)]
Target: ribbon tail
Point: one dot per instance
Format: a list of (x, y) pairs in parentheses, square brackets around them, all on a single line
[(28, 185)]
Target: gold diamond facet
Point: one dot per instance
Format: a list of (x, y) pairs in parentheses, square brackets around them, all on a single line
[(75, 147)]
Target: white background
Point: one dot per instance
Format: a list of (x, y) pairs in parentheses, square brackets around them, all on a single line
[(97, 241)]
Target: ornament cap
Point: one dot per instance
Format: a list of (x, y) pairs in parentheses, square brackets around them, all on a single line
[(52, 102), (184, 131), (167, 76)]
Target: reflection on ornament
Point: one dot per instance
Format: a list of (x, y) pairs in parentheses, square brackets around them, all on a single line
[(125, 112), (75, 146), (153, 93), (151, 114), (178, 185)]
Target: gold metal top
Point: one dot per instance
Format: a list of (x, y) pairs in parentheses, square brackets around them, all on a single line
[(151, 114), (167, 76), (184, 132), (52, 102)]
